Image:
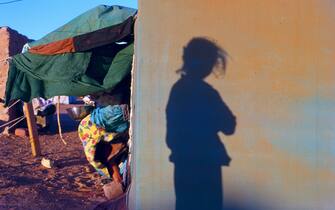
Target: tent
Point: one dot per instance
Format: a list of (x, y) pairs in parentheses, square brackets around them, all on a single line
[(91, 53)]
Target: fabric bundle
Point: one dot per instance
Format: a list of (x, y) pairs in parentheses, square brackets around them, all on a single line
[(111, 118)]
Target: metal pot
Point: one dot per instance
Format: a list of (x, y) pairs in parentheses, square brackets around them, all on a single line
[(79, 112)]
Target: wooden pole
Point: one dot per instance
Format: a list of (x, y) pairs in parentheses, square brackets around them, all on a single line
[(32, 128)]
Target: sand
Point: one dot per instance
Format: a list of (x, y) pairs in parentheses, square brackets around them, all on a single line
[(26, 184)]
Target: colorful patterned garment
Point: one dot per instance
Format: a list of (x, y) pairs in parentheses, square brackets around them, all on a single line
[(90, 135)]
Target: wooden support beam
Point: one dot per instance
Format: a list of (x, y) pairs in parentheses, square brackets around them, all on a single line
[(32, 128)]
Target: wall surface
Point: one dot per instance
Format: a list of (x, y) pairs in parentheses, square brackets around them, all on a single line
[(263, 131), (11, 43)]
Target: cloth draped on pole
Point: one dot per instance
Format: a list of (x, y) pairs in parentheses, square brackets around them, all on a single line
[(91, 53)]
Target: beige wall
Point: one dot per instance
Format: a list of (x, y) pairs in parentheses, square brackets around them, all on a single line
[(279, 83)]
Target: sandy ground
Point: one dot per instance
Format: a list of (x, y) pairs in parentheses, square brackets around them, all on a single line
[(26, 184)]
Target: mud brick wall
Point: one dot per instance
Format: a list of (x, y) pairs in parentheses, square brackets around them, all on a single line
[(11, 43)]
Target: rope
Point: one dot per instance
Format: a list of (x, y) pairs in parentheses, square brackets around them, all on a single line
[(24, 117), (8, 2), (6, 60), (13, 104), (58, 121), (5, 111), (7, 123)]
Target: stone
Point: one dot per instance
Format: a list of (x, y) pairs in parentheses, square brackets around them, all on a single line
[(21, 132), (113, 190), (47, 163), (5, 131)]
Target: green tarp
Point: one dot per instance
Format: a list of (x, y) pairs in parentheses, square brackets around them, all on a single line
[(97, 18), (78, 73)]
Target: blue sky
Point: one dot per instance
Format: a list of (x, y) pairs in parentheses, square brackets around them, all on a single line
[(36, 18)]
